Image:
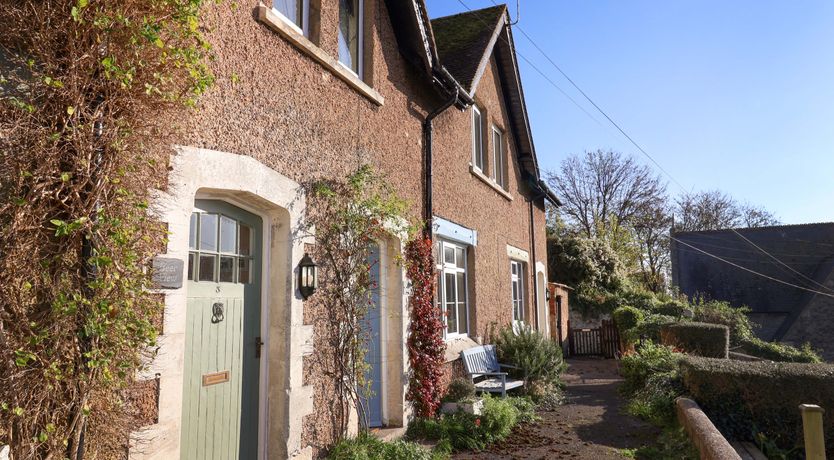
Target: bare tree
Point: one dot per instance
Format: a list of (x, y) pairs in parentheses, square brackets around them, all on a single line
[(602, 190), (652, 233), (714, 210)]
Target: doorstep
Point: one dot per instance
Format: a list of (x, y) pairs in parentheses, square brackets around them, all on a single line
[(388, 434)]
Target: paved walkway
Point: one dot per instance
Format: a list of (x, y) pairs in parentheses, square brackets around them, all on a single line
[(590, 426)]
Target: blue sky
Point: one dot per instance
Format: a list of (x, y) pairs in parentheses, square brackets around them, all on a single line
[(731, 95)]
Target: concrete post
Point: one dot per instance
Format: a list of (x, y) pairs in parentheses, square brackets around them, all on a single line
[(812, 428)]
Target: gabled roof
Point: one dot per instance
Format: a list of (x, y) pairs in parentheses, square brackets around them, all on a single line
[(454, 51), (465, 41)]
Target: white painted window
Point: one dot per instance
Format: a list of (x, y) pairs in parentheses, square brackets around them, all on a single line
[(478, 159), (220, 249), (350, 34), (499, 171), (517, 283), (452, 294), (294, 12)]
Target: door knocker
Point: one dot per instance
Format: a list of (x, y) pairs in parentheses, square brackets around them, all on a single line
[(217, 312)]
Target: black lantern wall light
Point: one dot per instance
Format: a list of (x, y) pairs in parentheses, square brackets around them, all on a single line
[(307, 276)]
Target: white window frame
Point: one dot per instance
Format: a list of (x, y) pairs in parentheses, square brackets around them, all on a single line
[(442, 270), (478, 141), (304, 28), (517, 278), (360, 54), (499, 173)]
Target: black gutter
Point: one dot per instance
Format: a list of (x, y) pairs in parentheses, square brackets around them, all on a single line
[(428, 129)]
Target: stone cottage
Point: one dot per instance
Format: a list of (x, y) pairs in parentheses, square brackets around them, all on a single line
[(312, 89)]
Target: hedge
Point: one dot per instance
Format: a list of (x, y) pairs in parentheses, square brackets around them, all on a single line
[(626, 317), (780, 352), (743, 397), (702, 339)]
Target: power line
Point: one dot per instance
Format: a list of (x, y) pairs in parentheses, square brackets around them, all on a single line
[(780, 262), (777, 280), (588, 98), (640, 148)]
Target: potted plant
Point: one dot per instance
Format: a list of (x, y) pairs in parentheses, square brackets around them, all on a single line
[(461, 397)]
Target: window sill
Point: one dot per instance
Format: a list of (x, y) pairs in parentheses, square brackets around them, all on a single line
[(489, 181), (274, 22), (457, 344)]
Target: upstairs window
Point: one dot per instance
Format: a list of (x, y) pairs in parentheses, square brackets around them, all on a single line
[(517, 282), (478, 155), (499, 167), (294, 12), (350, 35)]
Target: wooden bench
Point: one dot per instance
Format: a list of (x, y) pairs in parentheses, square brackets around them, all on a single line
[(482, 362)]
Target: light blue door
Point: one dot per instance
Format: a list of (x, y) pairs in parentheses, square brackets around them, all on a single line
[(373, 323)]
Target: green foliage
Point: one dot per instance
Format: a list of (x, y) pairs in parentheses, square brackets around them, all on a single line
[(673, 308), (538, 357), (347, 218), (702, 339), (460, 389), (627, 318), (367, 447), (463, 431), (780, 352), (650, 328), (716, 312), (655, 401), (648, 360), (591, 266), (673, 443), (743, 398)]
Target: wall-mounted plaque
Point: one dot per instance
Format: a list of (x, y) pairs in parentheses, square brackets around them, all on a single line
[(167, 273)]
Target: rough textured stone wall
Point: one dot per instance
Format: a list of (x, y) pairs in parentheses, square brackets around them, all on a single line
[(464, 198), (274, 103)]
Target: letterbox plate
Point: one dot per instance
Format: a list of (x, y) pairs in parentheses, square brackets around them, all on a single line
[(215, 377)]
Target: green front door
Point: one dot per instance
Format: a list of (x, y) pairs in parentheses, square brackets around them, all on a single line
[(222, 343)]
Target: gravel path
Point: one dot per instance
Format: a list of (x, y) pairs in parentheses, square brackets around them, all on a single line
[(590, 426)]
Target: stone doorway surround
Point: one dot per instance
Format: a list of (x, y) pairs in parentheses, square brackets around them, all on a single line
[(284, 400)]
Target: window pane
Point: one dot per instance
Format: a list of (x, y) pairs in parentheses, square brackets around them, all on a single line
[(449, 254), (451, 304), (244, 271), (228, 234), (245, 243), (206, 272), (227, 269), (291, 9), (349, 33), (191, 261), (477, 139), (192, 231), (460, 260), (461, 305), (208, 232)]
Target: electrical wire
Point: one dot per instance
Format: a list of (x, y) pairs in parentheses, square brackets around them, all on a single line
[(640, 148), (777, 280)]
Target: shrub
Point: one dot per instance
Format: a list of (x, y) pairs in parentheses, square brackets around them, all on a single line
[(627, 318), (715, 312), (463, 431), (655, 401), (538, 357), (460, 389), (673, 308), (650, 327), (367, 447), (702, 339), (740, 396), (649, 359), (780, 352)]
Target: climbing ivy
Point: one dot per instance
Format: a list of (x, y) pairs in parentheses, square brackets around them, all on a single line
[(89, 92)]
